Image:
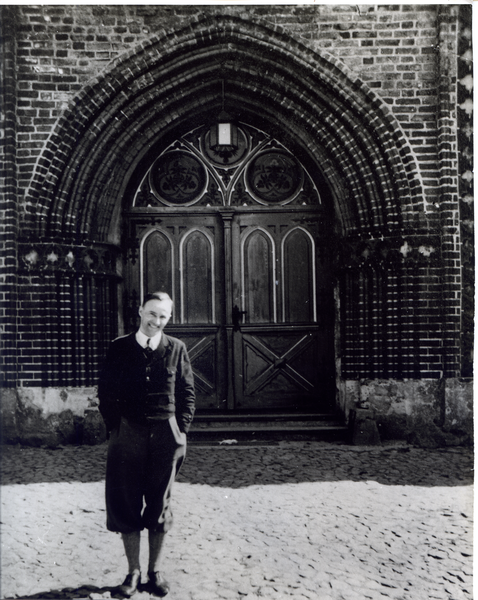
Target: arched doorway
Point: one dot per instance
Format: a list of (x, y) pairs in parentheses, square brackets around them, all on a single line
[(81, 204), (241, 236)]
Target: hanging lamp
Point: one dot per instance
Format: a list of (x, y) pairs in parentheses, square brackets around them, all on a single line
[(223, 135)]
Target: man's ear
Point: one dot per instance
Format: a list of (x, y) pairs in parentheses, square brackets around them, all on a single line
[(140, 311)]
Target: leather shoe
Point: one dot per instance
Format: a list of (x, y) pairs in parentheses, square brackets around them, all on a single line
[(157, 584), (130, 584)]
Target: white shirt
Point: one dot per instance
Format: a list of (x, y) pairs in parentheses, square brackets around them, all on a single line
[(143, 340)]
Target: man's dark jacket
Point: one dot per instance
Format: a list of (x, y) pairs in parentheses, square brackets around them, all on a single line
[(144, 388)]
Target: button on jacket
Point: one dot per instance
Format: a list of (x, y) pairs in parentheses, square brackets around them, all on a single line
[(144, 387)]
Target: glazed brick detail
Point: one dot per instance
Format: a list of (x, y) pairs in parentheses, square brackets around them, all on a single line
[(392, 312), (8, 199), (66, 321), (466, 259)]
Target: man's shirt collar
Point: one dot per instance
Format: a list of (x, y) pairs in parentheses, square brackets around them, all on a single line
[(143, 340)]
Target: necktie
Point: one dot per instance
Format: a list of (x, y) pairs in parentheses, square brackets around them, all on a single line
[(148, 348)]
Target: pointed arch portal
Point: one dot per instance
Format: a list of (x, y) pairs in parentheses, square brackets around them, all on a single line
[(253, 260)]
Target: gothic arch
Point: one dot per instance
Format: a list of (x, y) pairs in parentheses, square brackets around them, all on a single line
[(173, 81)]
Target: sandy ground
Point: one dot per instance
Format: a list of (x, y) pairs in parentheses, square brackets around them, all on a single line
[(294, 520)]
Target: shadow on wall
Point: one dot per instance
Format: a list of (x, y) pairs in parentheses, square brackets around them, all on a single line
[(243, 466)]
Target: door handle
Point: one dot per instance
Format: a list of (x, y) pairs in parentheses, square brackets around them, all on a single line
[(237, 317)]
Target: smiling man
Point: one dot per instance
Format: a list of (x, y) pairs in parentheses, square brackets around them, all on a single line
[(147, 401)]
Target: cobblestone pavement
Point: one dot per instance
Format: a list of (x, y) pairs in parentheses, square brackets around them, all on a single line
[(293, 520)]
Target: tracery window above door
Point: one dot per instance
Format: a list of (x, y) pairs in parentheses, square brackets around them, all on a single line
[(178, 178), (258, 171)]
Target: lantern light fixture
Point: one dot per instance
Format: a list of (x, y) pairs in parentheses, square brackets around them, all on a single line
[(223, 136), (224, 132)]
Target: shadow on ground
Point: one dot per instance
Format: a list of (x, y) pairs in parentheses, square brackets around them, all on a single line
[(87, 592), (237, 466)]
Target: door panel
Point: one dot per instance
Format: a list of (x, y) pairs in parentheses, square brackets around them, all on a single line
[(299, 274), (181, 254), (157, 255), (277, 368), (283, 356), (258, 267), (207, 352), (197, 288)]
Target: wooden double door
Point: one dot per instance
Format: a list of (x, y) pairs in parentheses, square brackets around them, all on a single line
[(253, 302)]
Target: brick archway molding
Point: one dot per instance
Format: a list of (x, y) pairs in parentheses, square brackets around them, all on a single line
[(175, 79), (392, 339)]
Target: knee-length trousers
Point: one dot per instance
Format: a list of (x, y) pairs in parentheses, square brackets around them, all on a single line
[(142, 464)]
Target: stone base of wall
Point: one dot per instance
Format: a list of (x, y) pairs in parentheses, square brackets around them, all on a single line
[(424, 412), (51, 416), (427, 413)]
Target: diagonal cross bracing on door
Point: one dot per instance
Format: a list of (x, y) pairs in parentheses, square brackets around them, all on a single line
[(195, 351), (278, 363)]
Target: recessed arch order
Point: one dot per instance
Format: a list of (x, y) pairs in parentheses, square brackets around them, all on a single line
[(167, 85)]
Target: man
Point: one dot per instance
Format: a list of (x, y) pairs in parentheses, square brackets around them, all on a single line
[(147, 401)]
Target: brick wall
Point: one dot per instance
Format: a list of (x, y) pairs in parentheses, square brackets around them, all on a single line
[(8, 201), (81, 57), (371, 90), (466, 189), (393, 49)]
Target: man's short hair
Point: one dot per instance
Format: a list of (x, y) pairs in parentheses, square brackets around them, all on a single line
[(157, 296)]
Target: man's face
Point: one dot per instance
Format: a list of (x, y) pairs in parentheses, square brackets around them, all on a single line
[(155, 315)]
